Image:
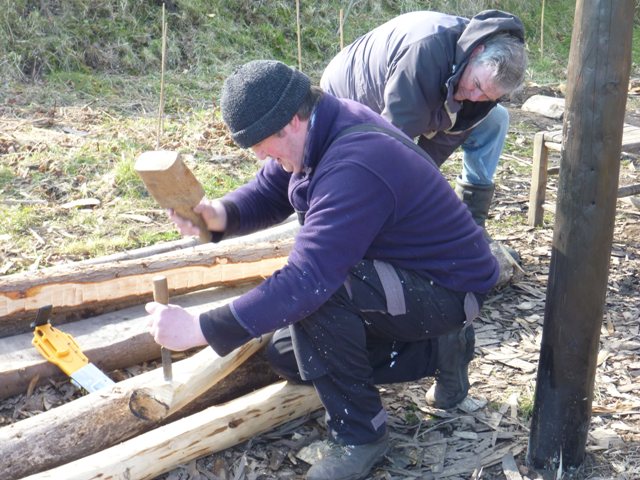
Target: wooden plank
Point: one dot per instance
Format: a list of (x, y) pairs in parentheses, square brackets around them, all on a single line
[(112, 340), (282, 230), (111, 415), (630, 137), (203, 433), (77, 291), (538, 189), (142, 252)]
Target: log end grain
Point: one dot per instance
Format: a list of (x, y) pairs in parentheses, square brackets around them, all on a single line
[(149, 405)]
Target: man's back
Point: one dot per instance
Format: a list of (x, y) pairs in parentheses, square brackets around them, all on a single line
[(361, 71)]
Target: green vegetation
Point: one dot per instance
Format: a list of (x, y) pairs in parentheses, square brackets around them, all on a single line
[(525, 406), (205, 38), (80, 87)]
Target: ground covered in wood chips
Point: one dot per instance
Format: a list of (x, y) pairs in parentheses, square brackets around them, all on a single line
[(486, 438)]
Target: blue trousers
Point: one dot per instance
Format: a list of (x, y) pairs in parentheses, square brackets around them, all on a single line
[(379, 327), (483, 147)]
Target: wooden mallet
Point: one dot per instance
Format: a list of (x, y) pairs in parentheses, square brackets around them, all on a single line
[(172, 185)]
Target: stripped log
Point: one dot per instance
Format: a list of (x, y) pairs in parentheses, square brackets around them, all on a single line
[(283, 230), (111, 415), (79, 291), (203, 433), (120, 339), (111, 341)]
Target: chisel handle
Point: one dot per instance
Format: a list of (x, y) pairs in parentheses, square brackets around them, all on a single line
[(160, 290)]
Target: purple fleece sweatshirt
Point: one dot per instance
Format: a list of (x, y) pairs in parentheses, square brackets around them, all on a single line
[(364, 195)]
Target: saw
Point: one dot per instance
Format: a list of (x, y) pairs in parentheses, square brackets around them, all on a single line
[(62, 350)]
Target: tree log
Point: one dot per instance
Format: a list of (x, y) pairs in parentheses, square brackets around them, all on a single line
[(283, 230), (110, 341), (78, 291), (112, 415), (120, 339), (203, 433)]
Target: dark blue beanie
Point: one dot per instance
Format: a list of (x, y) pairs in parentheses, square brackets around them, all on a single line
[(260, 98)]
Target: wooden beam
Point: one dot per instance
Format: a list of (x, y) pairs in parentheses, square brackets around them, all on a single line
[(120, 339), (111, 341), (78, 291), (597, 85), (283, 230), (203, 433), (111, 415)]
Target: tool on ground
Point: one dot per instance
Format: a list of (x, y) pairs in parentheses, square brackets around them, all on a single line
[(172, 185), (62, 350), (161, 295)]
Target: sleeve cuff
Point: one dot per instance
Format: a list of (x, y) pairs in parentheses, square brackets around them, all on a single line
[(233, 222), (222, 331)]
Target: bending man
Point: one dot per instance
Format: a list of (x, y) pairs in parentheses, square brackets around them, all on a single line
[(439, 78)]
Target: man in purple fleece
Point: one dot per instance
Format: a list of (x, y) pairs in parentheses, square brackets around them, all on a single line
[(387, 272)]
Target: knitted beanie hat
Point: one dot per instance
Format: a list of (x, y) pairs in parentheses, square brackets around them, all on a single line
[(260, 98)]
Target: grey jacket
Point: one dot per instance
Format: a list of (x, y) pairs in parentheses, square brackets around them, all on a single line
[(407, 70)]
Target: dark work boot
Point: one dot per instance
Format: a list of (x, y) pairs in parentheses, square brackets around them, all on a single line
[(478, 198), (349, 462), (455, 352)]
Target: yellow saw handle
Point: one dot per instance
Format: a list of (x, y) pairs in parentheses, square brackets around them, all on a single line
[(59, 348)]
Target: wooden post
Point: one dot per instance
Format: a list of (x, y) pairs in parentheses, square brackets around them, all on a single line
[(341, 29), (163, 63), (597, 81), (542, 31), (299, 35)]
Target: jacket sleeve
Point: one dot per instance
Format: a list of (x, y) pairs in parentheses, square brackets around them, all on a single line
[(260, 203)]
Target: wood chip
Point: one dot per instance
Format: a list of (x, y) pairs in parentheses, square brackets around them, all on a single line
[(81, 203), (509, 467)]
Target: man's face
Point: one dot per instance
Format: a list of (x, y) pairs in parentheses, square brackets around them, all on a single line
[(476, 84), (285, 147)]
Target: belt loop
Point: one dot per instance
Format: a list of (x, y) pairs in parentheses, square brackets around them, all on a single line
[(471, 308)]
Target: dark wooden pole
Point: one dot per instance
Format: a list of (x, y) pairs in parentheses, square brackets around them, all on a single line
[(597, 83)]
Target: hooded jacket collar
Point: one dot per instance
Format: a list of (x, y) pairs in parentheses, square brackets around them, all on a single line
[(321, 132), (482, 26)]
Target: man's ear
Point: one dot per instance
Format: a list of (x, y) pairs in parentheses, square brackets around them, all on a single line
[(297, 123), (477, 50)]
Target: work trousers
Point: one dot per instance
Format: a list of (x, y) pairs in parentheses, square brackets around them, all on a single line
[(379, 327)]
